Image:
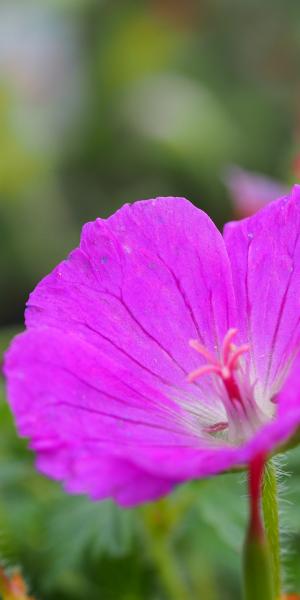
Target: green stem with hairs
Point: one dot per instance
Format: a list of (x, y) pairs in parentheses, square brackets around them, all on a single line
[(257, 562), (271, 521)]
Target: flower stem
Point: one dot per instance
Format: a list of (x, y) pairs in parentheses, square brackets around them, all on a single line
[(271, 521), (257, 562)]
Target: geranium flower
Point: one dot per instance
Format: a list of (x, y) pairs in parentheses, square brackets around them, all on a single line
[(160, 351), (251, 191)]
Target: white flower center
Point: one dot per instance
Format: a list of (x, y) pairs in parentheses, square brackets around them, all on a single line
[(244, 415)]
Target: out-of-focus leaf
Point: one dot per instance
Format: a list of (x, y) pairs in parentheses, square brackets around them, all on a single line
[(119, 61), (20, 165), (223, 504), (185, 117), (77, 524)]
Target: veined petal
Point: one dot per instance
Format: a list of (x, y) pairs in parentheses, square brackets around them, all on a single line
[(104, 433), (69, 390), (109, 436), (265, 256), (102, 369), (147, 280), (142, 284)]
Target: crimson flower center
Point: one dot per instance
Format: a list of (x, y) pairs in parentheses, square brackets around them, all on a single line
[(242, 411)]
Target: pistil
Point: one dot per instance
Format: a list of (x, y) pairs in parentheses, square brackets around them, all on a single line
[(240, 406)]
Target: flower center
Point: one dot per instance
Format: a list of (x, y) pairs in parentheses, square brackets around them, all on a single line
[(224, 367), (237, 395)]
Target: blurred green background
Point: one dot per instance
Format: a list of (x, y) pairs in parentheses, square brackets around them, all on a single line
[(104, 102)]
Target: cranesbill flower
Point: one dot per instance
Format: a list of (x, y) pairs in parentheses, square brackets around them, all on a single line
[(160, 351), (250, 191)]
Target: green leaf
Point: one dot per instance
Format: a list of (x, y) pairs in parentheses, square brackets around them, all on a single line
[(76, 524), (223, 504)]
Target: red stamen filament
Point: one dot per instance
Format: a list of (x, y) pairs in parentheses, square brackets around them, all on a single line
[(256, 470), (226, 346)]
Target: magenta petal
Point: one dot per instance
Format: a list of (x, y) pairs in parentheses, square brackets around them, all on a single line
[(142, 284), (63, 389), (118, 444), (265, 255), (101, 475), (104, 362)]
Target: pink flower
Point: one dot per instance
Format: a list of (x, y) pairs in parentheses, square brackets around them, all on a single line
[(160, 351), (251, 191)]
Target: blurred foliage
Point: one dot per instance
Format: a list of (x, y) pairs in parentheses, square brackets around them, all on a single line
[(105, 102), (101, 103)]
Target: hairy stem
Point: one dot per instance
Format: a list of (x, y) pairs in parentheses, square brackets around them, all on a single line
[(271, 521), (257, 563)]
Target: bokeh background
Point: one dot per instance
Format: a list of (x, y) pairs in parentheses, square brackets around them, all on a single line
[(104, 102)]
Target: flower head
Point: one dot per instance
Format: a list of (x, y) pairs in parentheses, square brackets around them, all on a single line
[(160, 351), (251, 191)]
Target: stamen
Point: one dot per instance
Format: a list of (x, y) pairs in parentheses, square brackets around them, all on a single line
[(202, 350), (233, 360), (226, 347), (242, 411), (224, 367), (202, 371)]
